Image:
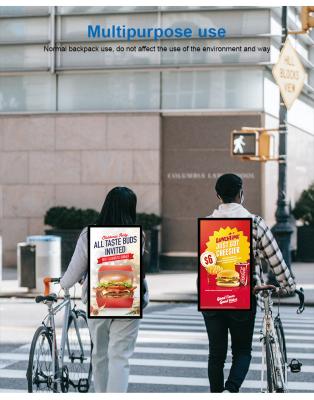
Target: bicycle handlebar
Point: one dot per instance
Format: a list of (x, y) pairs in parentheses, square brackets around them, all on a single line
[(47, 281), (299, 292)]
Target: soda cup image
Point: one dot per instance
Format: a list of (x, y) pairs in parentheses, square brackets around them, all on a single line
[(243, 270)]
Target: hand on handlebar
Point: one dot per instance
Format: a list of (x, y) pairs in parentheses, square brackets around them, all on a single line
[(258, 289), (283, 291)]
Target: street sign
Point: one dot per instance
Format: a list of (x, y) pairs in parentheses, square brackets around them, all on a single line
[(243, 143), (289, 74)]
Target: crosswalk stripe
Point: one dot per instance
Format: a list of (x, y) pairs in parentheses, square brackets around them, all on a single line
[(181, 364), (187, 351), (18, 373), (152, 339), (198, 315), (201, 328), (200, 322), (196, 364), (171, 350), (292, 345), (202, 335), (172, 380), (14, 357), (256, 343), (185, 381), (164, 322), (195, 316), (204, 352), (165, 319)]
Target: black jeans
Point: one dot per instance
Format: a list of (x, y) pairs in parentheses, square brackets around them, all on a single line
[(241, 327)]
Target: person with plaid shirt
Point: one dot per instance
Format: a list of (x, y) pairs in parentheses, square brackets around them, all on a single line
[(240, 324)]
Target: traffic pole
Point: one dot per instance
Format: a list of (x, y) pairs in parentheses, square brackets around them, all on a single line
[(282, 230)]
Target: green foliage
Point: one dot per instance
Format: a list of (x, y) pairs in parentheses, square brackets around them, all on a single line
[(70, 217), (148, 221), (304, 208), (77, 218)]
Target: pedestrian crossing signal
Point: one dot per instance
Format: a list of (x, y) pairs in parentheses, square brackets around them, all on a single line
[(243, 143), (254, 144)]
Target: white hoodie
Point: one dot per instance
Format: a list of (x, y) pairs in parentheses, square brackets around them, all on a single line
[(231, 210)]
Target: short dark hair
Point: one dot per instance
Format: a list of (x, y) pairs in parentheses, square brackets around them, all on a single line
[(119, 207), (228, 186)]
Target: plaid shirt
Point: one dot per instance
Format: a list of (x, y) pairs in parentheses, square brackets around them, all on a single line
[(265, 246)]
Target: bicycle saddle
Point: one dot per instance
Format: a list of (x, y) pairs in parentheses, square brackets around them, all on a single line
[(50, 297)]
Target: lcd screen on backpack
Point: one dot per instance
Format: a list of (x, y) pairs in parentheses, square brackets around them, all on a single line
[(225, 264), (115, 277)]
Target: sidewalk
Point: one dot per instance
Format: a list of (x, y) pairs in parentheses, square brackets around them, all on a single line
[(181, 287), (174, 286)]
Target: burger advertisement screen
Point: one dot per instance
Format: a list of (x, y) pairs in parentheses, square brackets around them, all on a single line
[(115, 277), (225, 264)]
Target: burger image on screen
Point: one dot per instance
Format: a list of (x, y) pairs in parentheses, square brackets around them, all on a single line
[(228, 278), (115, 286)]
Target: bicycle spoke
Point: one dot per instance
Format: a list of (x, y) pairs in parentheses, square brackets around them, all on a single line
[(78, 352), (41, 364)]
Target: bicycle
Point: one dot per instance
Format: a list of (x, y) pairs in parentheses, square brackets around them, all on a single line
[(274, 350), (67, 368)]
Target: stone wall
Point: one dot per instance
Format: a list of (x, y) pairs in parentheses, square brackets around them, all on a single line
[(72, 160), (300, 168)]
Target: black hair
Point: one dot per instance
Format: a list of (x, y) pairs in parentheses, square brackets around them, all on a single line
[(228, 186), (119, 207)]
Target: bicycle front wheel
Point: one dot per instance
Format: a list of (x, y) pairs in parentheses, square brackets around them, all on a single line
[(78, 352), (270, 365), (40, 375), (281, 338)]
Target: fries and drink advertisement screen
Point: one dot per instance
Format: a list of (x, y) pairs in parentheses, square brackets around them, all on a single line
[(115, 277), (225, 264)]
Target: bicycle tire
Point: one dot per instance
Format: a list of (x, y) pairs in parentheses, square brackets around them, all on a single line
[(40, 333), (270, 365), (79, 369), (281, 338)]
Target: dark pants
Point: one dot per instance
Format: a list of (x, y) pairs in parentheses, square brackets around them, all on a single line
[(240, 324)]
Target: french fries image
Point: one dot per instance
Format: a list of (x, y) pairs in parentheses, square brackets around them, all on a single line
[(213, 269)]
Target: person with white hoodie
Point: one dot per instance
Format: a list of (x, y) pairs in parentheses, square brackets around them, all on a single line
[(240, 324)]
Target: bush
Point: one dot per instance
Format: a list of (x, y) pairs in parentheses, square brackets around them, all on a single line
[(77, 218), (70, 217), (304, 208)]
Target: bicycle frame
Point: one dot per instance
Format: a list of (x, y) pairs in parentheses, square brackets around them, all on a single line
[(58, 356), (268, 329)]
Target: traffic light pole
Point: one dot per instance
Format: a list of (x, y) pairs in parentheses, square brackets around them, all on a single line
[(282, 230)]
